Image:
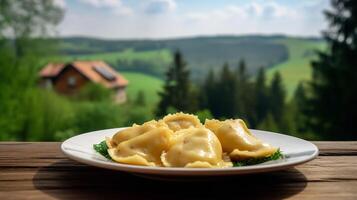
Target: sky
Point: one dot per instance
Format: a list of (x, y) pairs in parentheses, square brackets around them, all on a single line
[(142, 19)]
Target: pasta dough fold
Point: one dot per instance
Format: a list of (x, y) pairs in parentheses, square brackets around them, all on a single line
[(194, 147), (238, 141), (181, 120), (144, 149), (133, 131)]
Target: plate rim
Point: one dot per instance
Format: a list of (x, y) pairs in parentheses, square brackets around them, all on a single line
[(187, 171)]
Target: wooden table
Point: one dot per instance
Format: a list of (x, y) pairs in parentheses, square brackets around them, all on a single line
[(41, 171)]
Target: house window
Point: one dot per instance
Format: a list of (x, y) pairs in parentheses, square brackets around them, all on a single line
[(71, 81)]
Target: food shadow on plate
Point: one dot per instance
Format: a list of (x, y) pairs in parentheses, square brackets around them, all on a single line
[(68, 179)]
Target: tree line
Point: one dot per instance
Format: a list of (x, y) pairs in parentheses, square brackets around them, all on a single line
[(322, 108), (227, 93)]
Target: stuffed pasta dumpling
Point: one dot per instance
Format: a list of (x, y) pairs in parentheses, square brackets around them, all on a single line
[(144, 149), (238, 141), (194, 147), (181, 120), (132, 132)]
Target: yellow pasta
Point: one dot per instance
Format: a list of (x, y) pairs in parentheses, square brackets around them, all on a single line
[(145, 149), (194, 147), (237, 140), (134, 131), (180, 121), (180, 140)]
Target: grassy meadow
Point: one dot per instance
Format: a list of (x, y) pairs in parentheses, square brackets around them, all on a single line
[(129, 55), (141, 82), (144, 68), (297, 68)]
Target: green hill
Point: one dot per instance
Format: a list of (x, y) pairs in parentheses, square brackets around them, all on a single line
[(201, 53), (291, 56), (297, 68), (152, 62), (148, 84)]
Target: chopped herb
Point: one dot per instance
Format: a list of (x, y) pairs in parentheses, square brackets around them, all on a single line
[(102, 149), (254, 161)]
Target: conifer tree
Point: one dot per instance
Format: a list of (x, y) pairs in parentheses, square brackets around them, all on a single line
[(207, 97), (226, 94), (299, 101), (176, 91), (242, 79), (333, 108), (277, 99), (261, 104)]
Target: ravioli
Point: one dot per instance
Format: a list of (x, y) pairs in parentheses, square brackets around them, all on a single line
[(194, 147), (132, 132), (180, 140), (181, 120), (144, 149), (238, 141)]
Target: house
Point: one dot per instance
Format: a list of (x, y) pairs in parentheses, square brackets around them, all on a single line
[(69, 78)]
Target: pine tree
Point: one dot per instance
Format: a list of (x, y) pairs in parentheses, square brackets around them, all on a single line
[(176, 93), (208, 91), (333, 108), (226, 94), (299, 101), (277, 99), (261, 99), (242, 79), (242, 72), (244, 94)]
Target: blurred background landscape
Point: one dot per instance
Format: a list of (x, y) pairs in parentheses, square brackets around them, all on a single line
[(69, 67)]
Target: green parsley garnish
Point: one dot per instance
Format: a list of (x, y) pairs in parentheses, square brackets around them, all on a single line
[(254, 161), (102, 149)]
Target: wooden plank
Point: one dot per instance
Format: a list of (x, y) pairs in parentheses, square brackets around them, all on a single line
[(43, 154), (323, 169), (312, 190), (52, 149), (46, 173), (337, 148)]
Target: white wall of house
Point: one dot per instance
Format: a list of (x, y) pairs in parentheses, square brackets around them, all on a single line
[(120, 95)]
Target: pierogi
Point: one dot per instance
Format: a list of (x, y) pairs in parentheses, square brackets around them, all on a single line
[(238, 141), (145, 149), (181, 140), (194, 147), (180, 121)]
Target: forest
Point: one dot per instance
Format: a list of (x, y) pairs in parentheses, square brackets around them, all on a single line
[(322, 108)]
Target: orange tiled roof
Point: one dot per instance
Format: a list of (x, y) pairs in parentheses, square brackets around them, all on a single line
[(51, 70), (87, 69)]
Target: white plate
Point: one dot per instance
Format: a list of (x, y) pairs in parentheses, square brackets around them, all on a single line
[(297, 151)]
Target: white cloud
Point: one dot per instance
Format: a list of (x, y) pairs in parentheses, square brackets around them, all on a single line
[(273, 9), (253, 9), (159, 6), (123, 11), (164, 18), (250, 11), (116, 6), (197, 16), (102, 3), (60, 3)]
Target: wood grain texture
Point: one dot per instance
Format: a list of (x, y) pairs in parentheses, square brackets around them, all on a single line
[(41, 171)]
